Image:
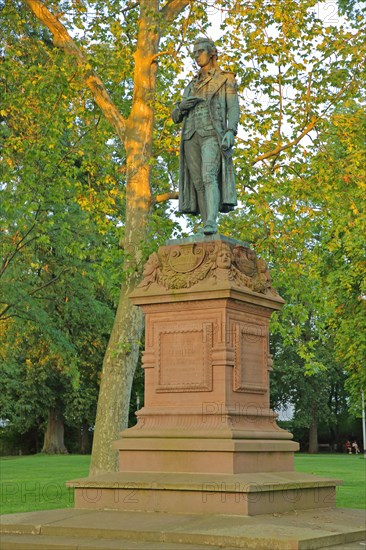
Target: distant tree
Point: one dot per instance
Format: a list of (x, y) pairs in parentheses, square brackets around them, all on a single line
[(56, 328), (340, 160), (319, 397)]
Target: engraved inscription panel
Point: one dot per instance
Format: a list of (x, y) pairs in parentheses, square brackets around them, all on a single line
[(250, 359), (184, 362)]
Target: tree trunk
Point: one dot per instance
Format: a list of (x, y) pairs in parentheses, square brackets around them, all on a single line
[(54, 435), (124, 344), (84, 438), (313, 437)]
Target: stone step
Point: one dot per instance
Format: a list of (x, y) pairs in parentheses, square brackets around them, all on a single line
[(32, 542), (42, 542), (246, 494), (93, 530)]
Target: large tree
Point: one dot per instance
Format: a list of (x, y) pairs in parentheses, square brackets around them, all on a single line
[(126, 40)]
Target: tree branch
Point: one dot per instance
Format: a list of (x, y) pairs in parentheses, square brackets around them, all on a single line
[(11, 255), (63, 40), (306, 130), (175, 52), (34, 291), (50, 282), (171, 195), (2, 313), (308, 95), (173, 8), (19, 245), (281, 148), (280, 114), (125, 10), (159, 54)]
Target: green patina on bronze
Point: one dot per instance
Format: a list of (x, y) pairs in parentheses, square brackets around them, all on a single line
[(210, 114)]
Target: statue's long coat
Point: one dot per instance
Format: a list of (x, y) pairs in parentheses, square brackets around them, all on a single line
[(224, 112)]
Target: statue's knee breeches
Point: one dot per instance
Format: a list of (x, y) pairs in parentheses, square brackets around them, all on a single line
[(203, 160), (210, 160)]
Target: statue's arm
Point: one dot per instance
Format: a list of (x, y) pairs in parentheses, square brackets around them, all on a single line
[(177, 114), (232, 112), (232, 104), (182, 108)]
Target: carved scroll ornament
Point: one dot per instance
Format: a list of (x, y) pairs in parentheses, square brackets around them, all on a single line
[(188, 265)]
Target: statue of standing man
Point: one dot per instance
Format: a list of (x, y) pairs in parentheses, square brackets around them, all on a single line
[(210, 114)]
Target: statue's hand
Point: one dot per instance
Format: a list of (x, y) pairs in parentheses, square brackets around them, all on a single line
[(227, 140), (188, 103)]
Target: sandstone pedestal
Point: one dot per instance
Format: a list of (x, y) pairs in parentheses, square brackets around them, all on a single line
[(206, 440)]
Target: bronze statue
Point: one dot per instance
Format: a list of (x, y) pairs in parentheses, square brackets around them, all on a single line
[(210, 113)]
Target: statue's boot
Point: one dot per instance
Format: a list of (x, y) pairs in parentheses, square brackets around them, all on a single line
[(199, 231), (201, 199), (212, 201)]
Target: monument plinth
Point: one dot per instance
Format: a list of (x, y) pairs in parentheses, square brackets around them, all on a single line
[(206, 440), (207, 306)]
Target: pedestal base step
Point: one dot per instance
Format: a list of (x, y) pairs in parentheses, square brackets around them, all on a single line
[(203, 455), (96, 530), (238, 494)]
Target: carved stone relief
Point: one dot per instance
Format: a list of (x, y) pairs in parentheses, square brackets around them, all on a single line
[(189, 265)]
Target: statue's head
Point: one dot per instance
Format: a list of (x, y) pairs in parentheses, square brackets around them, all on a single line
[(207, 44)]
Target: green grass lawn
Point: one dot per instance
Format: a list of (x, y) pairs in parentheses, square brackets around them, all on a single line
[(350, 468), (37, 482)]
